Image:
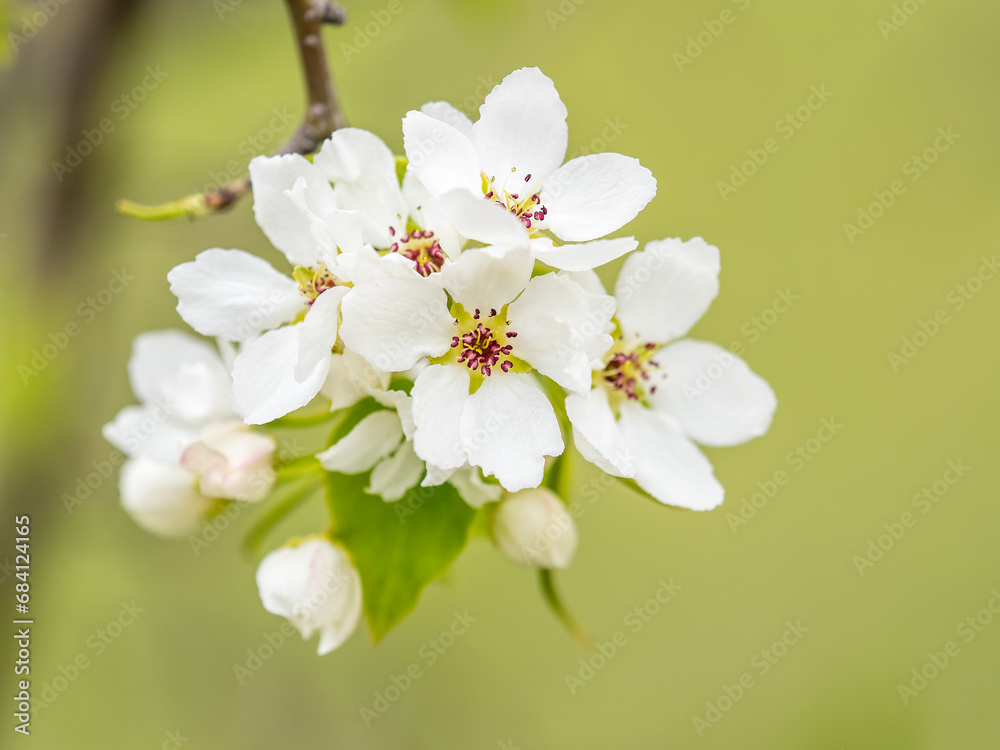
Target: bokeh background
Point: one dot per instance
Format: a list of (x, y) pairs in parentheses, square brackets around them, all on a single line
[(169, 677)]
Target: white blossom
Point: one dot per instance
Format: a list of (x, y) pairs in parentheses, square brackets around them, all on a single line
[(655, 394), (288, 324), (513, 156), (477, 403), (184, 444)]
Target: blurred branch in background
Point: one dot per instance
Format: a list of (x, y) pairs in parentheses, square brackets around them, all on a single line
[(72, 72), (323, 115)]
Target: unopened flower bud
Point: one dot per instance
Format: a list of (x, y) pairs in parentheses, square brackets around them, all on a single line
[(233, 461), (532, 528), (315, 587), (162, 498)]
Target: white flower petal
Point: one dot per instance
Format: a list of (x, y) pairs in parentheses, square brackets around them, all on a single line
[(352, 378), (473, 489), (162, 498), (436, 476), (591, 196), (278, 215), (333, 230), (440, 155), (265, 385), (445, 112), (233, 294), (181, 374), (508, 427), (439, 396), (596, 433), (522, 126), (582, 257), (487, 278), (561, 328), (713, 394), (665, 289), (394, 322), (363, 172), (668, 465), (373, 438), (148, 431), (393, 476), (402, 402), (318, 333), (426, 212), (482, 220)]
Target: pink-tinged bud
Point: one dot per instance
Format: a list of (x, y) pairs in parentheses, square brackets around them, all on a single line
[(233, 462), (315, 587)]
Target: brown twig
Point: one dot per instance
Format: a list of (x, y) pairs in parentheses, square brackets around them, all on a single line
[(323, 115)]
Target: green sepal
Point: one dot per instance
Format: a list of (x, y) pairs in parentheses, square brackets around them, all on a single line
[(401, 163)]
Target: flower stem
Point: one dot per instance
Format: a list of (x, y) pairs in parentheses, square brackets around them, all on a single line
[(547, 579), (323, 116), (275, 514)]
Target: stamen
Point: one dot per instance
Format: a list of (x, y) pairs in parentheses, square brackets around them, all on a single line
[(423, 248), (527, 210), (481, 351), (626, 370)]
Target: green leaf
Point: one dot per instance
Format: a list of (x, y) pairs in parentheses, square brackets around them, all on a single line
[(398, 548)]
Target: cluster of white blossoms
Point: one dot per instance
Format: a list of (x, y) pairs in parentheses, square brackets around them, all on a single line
[(444, 310)]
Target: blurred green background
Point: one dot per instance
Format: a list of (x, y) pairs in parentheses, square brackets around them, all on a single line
[(169, 678)]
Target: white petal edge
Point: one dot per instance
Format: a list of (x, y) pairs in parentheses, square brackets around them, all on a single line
[(584, 256), (714, 395), (594, 195), (372, 439), (522, 126), (233, 294), (668, 465), (441, 156), (440, 395), (597, 435), (395, 475), (508, 427), (395, 322), (665, 289)]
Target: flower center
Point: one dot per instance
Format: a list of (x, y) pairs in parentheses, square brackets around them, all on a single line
[(314, 281), (483, 347), (524, 204), (628, 370), (422, 247)]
